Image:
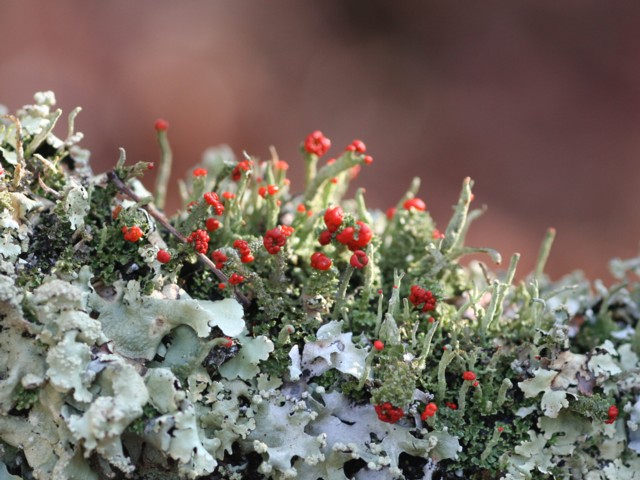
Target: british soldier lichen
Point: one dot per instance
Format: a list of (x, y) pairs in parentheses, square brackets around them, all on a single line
[(288, 331)]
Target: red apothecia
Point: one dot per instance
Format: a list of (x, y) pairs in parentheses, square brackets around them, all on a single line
[(163, 256), (388, 413), (132, 234), (320, 261), (429, 411), (317, 144), (359, 259)]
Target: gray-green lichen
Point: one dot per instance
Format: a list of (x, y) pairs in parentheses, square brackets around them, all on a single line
[(190, 347)]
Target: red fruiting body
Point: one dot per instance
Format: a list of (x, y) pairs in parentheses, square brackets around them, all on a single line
[(228, 195), (419, 296), (247, 258), (228, 343), (163, 256), (476, 383), (236, 279), (325, 237), (116, 212), (274, 240), (281, 165), (219, 259), (212, 224), (391, 211), (200, 172), (222, 285), (151, 166), (501, 429), (469, 376), (301, 208), (334, 180), (355, 239), (268, 190), (415, 204), (212, 199), (388, 413), (132, 234), (378, 345), (359, 259), (363, 235), (437, 234), (317, 144), (320, 261), (357, 146), (345, 236), (200, 239), (243, 166), (161, 125), (613, 414), (368, 159), (287, 230), (451, 405), (429, 411), (242, 246), (431, 319), (333, 218)]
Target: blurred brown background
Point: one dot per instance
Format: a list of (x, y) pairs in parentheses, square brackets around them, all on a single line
[(538, 101)]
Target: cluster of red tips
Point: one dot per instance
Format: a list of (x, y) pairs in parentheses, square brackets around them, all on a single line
[(212, 224), (268, 190), (200, 172), (200, 240), (161, 125), (356, 146), (420, 296), (469, 376), (228, 343), (333, 218), (287, 230), (219, 258), (236, 279), (301, 208), (116, 211), (317, 144), (451, 405), (359, 259), (415, 204), (388, 413), (132, 234), (378, 345), (356, 237), (243, 249), (429, 411), (320, 261), (613, 414), (281, 165), (274, 240), (163, 256), (212, 199), (500, 429), (228, 195), (476, 384), (243, 166), (437, 234), (391, 212)]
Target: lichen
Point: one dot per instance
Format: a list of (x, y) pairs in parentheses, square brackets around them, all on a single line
[(260, 333)]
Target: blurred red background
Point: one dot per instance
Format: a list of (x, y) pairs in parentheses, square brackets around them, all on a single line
[(538, 101)]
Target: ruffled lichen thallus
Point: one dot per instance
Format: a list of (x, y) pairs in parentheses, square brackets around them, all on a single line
[(274, 330)]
